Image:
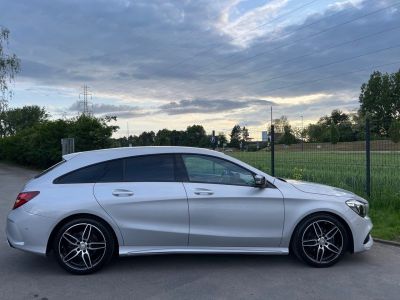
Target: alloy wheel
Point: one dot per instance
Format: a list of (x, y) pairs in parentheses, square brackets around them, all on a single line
[(322, 241), (82, 246)]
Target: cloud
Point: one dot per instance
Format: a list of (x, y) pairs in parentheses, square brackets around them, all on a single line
[(180, 56), (121, 111), (210, 106)]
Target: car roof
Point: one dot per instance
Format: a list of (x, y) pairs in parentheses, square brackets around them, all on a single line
[(113, 153), (94, 156)]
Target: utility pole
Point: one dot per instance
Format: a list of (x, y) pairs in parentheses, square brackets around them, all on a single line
[(85, 102), (271, 115), (301, 134)]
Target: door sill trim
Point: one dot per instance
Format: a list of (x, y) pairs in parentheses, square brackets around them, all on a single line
[(127, 250)]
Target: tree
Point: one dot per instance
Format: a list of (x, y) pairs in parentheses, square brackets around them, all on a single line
[(39, 145), (279, 124), (146, 138), (394, 131), (9, 66), (321, 132), (379, 98), (17, 119), (222, 140), (163, 138), (196, 136), (334, 134), (235, 136), (288, 137), (245, 135)]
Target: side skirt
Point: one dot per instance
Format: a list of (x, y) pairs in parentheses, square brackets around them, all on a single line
[(128, 251)]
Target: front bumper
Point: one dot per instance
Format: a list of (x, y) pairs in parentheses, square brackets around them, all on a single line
[(28, 232), (361, 228)]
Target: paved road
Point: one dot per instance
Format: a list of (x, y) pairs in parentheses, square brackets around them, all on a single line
[(372, 275)]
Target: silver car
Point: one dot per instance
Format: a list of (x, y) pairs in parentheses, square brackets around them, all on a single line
[(156, 200)]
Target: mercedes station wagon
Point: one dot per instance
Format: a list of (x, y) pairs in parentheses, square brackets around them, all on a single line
[(159, 200)]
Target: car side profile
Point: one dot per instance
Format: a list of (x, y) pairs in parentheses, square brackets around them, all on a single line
[(156, 200)]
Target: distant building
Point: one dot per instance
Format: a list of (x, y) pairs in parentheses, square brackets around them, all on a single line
[(264, 136)]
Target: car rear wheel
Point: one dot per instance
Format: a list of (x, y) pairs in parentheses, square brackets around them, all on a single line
[(83, 246), (320, 240)]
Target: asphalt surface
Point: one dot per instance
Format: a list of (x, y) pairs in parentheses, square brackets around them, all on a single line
[(371, 275)]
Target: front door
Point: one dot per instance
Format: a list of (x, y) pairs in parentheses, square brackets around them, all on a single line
[(225, 208)]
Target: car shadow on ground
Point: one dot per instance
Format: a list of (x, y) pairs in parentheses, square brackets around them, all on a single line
[(40, 265)]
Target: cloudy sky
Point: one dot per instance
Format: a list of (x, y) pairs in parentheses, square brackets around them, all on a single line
[(162, 63)]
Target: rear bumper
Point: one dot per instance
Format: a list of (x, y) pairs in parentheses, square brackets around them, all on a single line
[(28, 232)]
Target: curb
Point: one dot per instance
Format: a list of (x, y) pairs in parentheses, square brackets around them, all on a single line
[(392, 243)]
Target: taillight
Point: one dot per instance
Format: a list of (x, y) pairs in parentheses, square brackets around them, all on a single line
[(24, 197)]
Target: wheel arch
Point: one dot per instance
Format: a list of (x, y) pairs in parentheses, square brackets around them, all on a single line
[(77, 216), (338, 217)]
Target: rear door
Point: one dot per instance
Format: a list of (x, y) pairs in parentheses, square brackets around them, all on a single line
[(148, 204), (226, 210)]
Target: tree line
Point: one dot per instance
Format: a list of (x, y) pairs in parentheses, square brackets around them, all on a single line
[(28, 136), (379, 103)]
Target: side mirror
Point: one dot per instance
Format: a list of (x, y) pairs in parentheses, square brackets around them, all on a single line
[(260, 181)]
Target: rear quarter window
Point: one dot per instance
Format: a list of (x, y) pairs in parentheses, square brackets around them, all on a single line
[(109, 171)]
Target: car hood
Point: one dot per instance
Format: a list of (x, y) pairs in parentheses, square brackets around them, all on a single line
[(321, 189)]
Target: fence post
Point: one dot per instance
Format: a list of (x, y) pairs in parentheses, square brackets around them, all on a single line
[(367, 158), (272, 150)]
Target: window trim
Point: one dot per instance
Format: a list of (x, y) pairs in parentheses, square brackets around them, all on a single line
[(180, 171), (269, 185)]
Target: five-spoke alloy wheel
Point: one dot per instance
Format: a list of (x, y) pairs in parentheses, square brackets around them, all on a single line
[(320, 240), (83, 246)]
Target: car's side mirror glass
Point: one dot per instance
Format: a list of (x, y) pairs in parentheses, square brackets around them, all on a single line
[(260, 181)]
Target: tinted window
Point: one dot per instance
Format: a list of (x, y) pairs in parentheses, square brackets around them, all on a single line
[(109, 171), (209, 169), (150, 168)]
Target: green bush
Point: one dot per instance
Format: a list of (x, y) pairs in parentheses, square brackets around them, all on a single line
[(40, 145)]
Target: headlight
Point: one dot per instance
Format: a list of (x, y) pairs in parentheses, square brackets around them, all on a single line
[(359, 207)]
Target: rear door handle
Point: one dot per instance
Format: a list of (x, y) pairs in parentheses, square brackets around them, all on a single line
[(203, 192), (122, 193)]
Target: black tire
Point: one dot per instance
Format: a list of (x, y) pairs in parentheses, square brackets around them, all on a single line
[(83, 246), (320, 240)]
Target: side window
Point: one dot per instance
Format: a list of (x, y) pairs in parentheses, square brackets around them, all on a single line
[(109, 171), (209, 169), (150, 168)]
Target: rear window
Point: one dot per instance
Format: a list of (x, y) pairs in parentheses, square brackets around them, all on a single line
[(109, 171), (50, 169), (150, 168)]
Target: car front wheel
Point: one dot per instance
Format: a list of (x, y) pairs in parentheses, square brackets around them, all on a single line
[(320, 240), (83, 246)]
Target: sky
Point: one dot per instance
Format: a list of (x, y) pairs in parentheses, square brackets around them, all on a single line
[(168, 64)]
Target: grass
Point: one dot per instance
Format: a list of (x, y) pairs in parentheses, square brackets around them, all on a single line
[(344, 169)]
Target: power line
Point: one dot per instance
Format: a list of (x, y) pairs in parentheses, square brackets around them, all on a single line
[(307, 37), (250, 30), (297, 58), (334, 76), (327, 64), (317, 67), (286, 35)]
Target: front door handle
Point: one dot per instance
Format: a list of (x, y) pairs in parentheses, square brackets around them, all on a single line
[(122, 193)]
